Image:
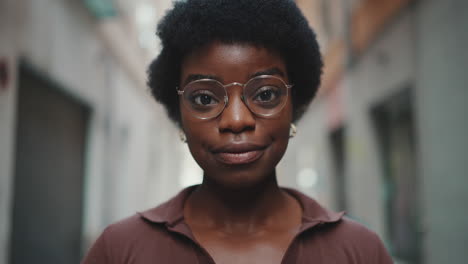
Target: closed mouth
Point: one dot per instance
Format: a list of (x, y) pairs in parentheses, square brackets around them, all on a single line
[(239, 154)]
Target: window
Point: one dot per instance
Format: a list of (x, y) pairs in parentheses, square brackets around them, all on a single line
[(394, 124)]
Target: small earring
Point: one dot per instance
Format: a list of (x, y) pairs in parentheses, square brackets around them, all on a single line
[(182, 136), (292, 131)]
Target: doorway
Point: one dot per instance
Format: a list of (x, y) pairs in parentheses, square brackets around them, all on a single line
[(394, 125), (49, 166), (337, 141)]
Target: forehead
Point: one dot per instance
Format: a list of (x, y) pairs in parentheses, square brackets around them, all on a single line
[(231, 62)]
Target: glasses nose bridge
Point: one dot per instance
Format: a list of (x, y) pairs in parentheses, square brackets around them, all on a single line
[(227, 97), (234, 84)]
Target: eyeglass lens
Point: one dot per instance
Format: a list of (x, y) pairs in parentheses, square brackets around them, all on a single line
[(264, 96)]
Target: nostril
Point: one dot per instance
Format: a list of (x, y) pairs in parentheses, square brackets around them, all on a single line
[(236, 118), (236, 128)]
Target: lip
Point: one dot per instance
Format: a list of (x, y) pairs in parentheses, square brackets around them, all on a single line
[(239, 153)]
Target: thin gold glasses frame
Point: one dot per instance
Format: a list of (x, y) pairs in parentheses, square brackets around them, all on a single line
[(226, 99)]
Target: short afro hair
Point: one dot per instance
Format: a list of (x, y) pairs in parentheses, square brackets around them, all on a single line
[(275, 24)]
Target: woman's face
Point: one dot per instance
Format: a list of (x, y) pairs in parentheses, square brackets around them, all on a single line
[(237, 148)]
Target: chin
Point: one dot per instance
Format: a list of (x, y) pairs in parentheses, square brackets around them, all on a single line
[(240, 179)]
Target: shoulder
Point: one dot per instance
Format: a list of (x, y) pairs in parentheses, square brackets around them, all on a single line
[(337, 237), (151, 221), (131, 228), (120, 240), (336, 225), (353, 241), (350, 232), (144, 235)]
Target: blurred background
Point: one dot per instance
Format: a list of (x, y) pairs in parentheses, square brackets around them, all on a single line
[(82, 144)]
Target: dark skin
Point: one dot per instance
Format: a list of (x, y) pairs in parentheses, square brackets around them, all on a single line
[(239, 214)]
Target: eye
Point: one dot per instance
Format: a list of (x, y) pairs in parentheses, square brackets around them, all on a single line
[(266, 94), (203, 98)]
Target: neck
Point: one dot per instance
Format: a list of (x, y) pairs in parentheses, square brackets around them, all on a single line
[(242, 209)]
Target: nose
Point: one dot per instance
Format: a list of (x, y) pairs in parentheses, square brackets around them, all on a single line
[(236, 117)]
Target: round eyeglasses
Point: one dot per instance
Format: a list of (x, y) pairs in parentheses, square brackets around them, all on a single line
[(264, 95)]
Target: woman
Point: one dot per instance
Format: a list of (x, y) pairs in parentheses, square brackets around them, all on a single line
[(235, 75)]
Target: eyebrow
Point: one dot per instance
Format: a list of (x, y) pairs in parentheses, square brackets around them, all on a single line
[(270, 71), (196, 77)]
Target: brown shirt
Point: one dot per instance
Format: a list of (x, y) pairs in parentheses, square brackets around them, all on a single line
[(161, 235)]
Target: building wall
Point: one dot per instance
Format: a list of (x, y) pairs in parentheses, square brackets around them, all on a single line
[(387, 67), (421, 47), (133, 153), (442, 97), (8, 95), (306, 164)]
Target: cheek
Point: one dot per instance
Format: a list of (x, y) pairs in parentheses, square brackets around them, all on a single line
[(284, 121), (197, 132), (279, 128), (283, 127), (196, 147), (190, 125), (183, 115), (281, 138)]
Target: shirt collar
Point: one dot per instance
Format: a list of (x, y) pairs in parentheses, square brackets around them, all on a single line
[(172, 212), (312, 210)]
